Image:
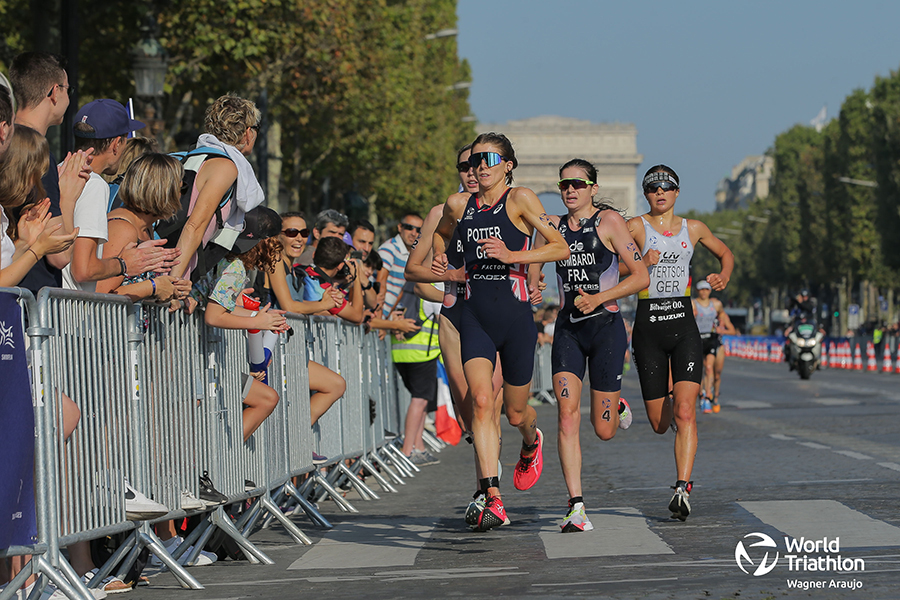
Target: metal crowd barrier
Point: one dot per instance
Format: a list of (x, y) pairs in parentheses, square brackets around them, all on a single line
[(160, 401), (542, 380)]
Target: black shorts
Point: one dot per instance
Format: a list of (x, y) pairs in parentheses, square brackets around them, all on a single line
[(711, 343), (600, 340), (485, 332), (421, 380), (665, 332)]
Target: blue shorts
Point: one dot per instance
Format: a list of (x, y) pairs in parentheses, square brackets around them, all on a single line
[(512, 333), (600, 341)]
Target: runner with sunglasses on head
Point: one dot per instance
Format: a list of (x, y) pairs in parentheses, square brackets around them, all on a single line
[(589, 327), (665, 332), (496, 225), (418, 268)]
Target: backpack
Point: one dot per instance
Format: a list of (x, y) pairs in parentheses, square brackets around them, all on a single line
[(210, 254)]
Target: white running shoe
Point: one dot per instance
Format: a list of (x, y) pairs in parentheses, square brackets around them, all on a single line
[(139, 507), (576, 520), (625, 416), (474, 509), (190, 502), (203, 559), (679, 505)]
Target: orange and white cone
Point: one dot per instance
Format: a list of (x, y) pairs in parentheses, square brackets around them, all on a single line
[(886, 366), (857, 359), (823, 360), (871, 365)]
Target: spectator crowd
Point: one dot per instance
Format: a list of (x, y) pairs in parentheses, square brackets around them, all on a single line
[(115, 215)]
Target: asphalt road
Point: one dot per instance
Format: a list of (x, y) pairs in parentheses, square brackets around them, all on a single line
[(790, 459)]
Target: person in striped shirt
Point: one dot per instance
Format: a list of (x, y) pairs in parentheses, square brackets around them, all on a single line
[(394, 253)]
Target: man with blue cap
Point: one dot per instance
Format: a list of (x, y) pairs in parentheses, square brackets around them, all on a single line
[(104, 126)]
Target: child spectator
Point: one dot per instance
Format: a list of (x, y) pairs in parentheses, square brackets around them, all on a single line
[(332, 268), (220, 290)]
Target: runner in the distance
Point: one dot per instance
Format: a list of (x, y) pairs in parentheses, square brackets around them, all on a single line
[(496, 226), (589, 327), (418, 268), (709, 314), (665, 332)]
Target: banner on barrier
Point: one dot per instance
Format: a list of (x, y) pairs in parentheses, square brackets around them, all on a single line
[(17, 518)]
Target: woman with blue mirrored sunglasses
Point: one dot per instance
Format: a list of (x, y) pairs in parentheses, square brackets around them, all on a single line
[(495, 229)]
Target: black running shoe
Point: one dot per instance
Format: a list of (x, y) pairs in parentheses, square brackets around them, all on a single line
[(680, 505), (208, 493)]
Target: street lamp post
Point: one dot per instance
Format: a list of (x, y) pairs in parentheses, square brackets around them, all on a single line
[(150, 62)]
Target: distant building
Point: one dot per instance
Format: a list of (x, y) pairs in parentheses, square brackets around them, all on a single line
[(544, 144), (749, 180)]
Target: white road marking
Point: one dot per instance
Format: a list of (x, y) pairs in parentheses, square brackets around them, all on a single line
[(749, 404), (852, 454), (780, 436), (617, 532), (570, 583), (815, 519), (386, 543), (830, 481), (834, 401), (815, 446), (890, 465)]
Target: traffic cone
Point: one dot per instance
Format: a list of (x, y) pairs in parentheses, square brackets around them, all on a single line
[(886, 366), (871, 365), (846, 362), (823, 360), (857, 359), (897, 362), (832, 357)]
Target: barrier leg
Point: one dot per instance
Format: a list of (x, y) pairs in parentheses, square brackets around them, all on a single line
[(72, 577), (335, 495), (13, 586), (357, 483), (148, 538), (385, 485), (65, 580), (197, 540), (253, 554), (387, 469), (274, 510), (307, 506), (432, 442), (117, 556), (401, 460), (248, 520)]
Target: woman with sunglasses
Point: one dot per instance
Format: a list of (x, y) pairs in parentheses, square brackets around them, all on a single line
[(589, 327), (665, 332), (418, 268), (496, 225)]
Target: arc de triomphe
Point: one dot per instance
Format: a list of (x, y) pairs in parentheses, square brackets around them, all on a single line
[(543, 144)]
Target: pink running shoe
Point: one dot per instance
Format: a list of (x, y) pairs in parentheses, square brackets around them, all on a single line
[(528, 469), (493, 514)]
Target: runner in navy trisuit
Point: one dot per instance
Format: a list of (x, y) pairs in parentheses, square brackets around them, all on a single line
[(496, 226), (665, 333), (418, 268), (589, 327)]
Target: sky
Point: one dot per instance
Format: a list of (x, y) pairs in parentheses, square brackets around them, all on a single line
[(705, 83)]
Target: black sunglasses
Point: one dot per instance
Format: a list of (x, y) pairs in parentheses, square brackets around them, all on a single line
[(463, 166), (667, 186), (255, 128), (293, 232), (575, 182), (409, 227), (491, 159)]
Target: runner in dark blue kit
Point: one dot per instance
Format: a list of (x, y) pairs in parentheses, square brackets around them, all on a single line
[(496, 225), (589, 327), (665, 333), (418, 268)]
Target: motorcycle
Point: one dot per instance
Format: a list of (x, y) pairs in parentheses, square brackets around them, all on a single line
[(804, 347)]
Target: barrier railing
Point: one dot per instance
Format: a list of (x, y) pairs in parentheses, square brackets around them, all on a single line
[(542, 380), (160, 397)]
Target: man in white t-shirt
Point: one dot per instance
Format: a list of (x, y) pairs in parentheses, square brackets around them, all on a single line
[(103, 125)]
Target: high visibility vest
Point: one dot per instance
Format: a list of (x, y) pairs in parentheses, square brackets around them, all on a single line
[(421, 347)]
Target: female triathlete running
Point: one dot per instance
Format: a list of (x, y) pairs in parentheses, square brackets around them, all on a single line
[(665, 332), (418, 268), (712, 321), (496, 226), (589, 327)]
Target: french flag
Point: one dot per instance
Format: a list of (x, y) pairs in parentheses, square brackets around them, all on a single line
[(445, 423)]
